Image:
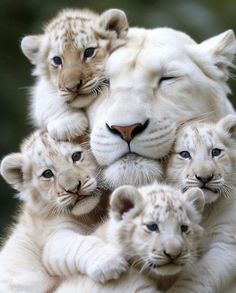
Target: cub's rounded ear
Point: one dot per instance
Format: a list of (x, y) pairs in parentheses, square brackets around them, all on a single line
[(30, 46), (126, 202), (12, 169), (228, 125), (222, 48), (195, 200), (113, 24)]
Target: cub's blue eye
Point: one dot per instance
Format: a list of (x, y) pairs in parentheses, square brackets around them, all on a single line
[(47, 174), (89, 52), (184, 228), (185, 154), (152, 226), (216, 152), (57, 60), (76, 156)]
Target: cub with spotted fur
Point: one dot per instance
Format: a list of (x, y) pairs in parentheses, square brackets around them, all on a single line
[(157, 229), (69, 60), (57, 184), (204, 156)]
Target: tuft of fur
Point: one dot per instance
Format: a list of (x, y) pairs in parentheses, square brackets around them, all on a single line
[(58, 187), (68, 59), (158, 79), (204, 156), (157, 257)]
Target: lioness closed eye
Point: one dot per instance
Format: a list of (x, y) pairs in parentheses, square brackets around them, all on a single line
[(69, 60), (57, 184), (205, 156), (157, 229)]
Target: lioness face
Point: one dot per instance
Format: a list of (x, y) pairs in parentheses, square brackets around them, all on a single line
[(159, 79)]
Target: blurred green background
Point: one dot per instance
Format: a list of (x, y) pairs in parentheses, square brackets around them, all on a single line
[(200, 19)]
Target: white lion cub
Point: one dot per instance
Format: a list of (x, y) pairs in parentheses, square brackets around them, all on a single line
[(156, 227), (205, 156), (57, 184), (69, 59)]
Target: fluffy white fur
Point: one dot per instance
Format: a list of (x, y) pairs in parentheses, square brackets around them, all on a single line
[(216, 269), (161, 77), (50, 241), (82, 41), (132, 212)]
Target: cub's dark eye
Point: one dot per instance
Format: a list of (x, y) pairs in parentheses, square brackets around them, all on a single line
[(163, 78), (89, 52), (152, 226), (47, 174), (76, 156), (216, 152), (57, 60), (184, 228), (185, 154)]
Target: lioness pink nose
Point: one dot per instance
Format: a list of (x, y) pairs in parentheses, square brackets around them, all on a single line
[(128, 132)]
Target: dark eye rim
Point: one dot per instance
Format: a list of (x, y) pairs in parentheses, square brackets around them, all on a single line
[(184, 228), (87, 50), (49, 175), (151, 225), (58, 58), (76, 153), (218, 154), (163, 78), (185, 152)]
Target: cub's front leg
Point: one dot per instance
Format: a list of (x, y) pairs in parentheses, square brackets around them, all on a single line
[(67, 253), (68, 126)]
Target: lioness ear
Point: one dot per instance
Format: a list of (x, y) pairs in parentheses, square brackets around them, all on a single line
[(228, 124), (195, 199), (113, 24), (11, 169), (126, 202), (222, 49), (30, 46)]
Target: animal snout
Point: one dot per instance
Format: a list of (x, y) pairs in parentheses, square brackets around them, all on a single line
[(203, 172), (128, 132), (204, 178), (172, 254), (172, 249), (74, 88), (71, 80), (74, 189)]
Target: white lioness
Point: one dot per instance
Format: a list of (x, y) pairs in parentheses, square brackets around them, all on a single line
[(69, 60), (157, 229), (205, 157), (160, 78), (57, 183)]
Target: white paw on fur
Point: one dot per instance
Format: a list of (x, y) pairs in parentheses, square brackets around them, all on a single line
[(68, 129), (108, 265)]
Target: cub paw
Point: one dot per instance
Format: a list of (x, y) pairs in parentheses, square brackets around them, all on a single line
[(67, 130), (108, 265)]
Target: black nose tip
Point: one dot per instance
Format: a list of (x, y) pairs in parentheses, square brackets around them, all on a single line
[(204, 179), (128, 132), (79, 185), (79, 85)]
